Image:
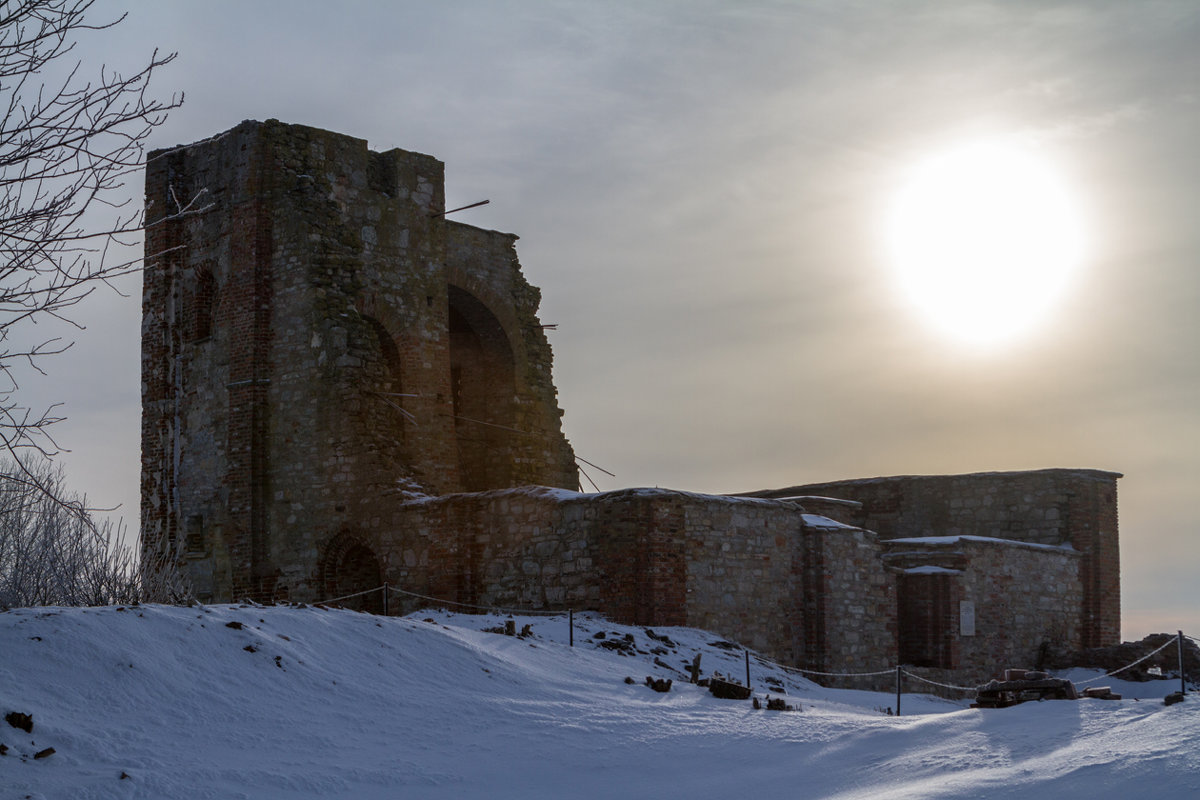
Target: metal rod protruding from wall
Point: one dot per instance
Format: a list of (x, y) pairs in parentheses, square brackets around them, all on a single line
[(460, 208)]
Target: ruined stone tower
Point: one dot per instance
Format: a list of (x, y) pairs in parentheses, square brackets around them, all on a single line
[(348, 397), (318, 343)]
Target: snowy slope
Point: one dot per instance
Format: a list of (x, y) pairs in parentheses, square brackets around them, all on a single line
[(306, 702)]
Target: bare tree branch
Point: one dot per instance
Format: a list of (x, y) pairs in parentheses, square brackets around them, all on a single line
[(68, 144), (54, 552)]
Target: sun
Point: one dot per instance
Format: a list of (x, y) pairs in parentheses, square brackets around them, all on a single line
[(984, 239)]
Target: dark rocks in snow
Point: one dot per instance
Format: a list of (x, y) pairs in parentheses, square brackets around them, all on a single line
[(623, 646), (778, 704), (630, 680), (250, 648), (659, 638), (659, 684), (658, 662), (726, 690), (49, 751), (18, 720), (237, 626), (509, 628), (1173, 698)]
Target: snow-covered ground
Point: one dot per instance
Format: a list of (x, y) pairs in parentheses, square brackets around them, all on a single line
[(164, 702)]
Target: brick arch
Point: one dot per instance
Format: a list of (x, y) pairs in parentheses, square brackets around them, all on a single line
[(483, 387), (380, 313), (349, 565), (498, 303), (388, 348)]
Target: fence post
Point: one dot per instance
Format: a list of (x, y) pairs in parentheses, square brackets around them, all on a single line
[(747, 652), (898, 679), (571, 622), (1182, 682), (385, 599)]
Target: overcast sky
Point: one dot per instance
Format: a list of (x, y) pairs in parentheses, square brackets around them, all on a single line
[(700, 190)]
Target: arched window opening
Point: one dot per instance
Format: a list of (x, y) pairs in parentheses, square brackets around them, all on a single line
[(198, 302), (388, 409), (482, 388)]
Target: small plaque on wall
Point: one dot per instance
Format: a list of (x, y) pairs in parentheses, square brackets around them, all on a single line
[(966, 617)]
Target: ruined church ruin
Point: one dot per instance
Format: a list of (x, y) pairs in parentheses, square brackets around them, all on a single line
[(341, 387)]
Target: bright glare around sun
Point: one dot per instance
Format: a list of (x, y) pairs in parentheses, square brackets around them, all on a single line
[(984, 239)]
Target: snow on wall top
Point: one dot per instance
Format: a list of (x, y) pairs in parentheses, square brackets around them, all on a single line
[(566, 496), (930, 569), (945, 541)]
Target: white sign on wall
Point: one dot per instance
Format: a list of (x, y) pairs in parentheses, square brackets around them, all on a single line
[(966, 617)]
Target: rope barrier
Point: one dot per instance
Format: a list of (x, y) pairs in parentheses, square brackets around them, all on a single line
[(837, 674), (758, 658), (935, 683), (787, 668), (501, 609), (1169, 643), (492, 609), (348, 596)]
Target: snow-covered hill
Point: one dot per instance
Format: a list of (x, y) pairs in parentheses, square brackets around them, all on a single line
[(252, 702)]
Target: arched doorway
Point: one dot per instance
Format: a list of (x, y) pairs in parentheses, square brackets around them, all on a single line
[(351, 567), (482, 385)]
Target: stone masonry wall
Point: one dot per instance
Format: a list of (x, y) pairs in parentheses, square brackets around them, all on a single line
[(860, 608), (1077, 507), (647, 557), (1022, 595), (740, 579)]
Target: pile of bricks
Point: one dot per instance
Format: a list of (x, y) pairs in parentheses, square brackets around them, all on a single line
[(1020, 685)]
